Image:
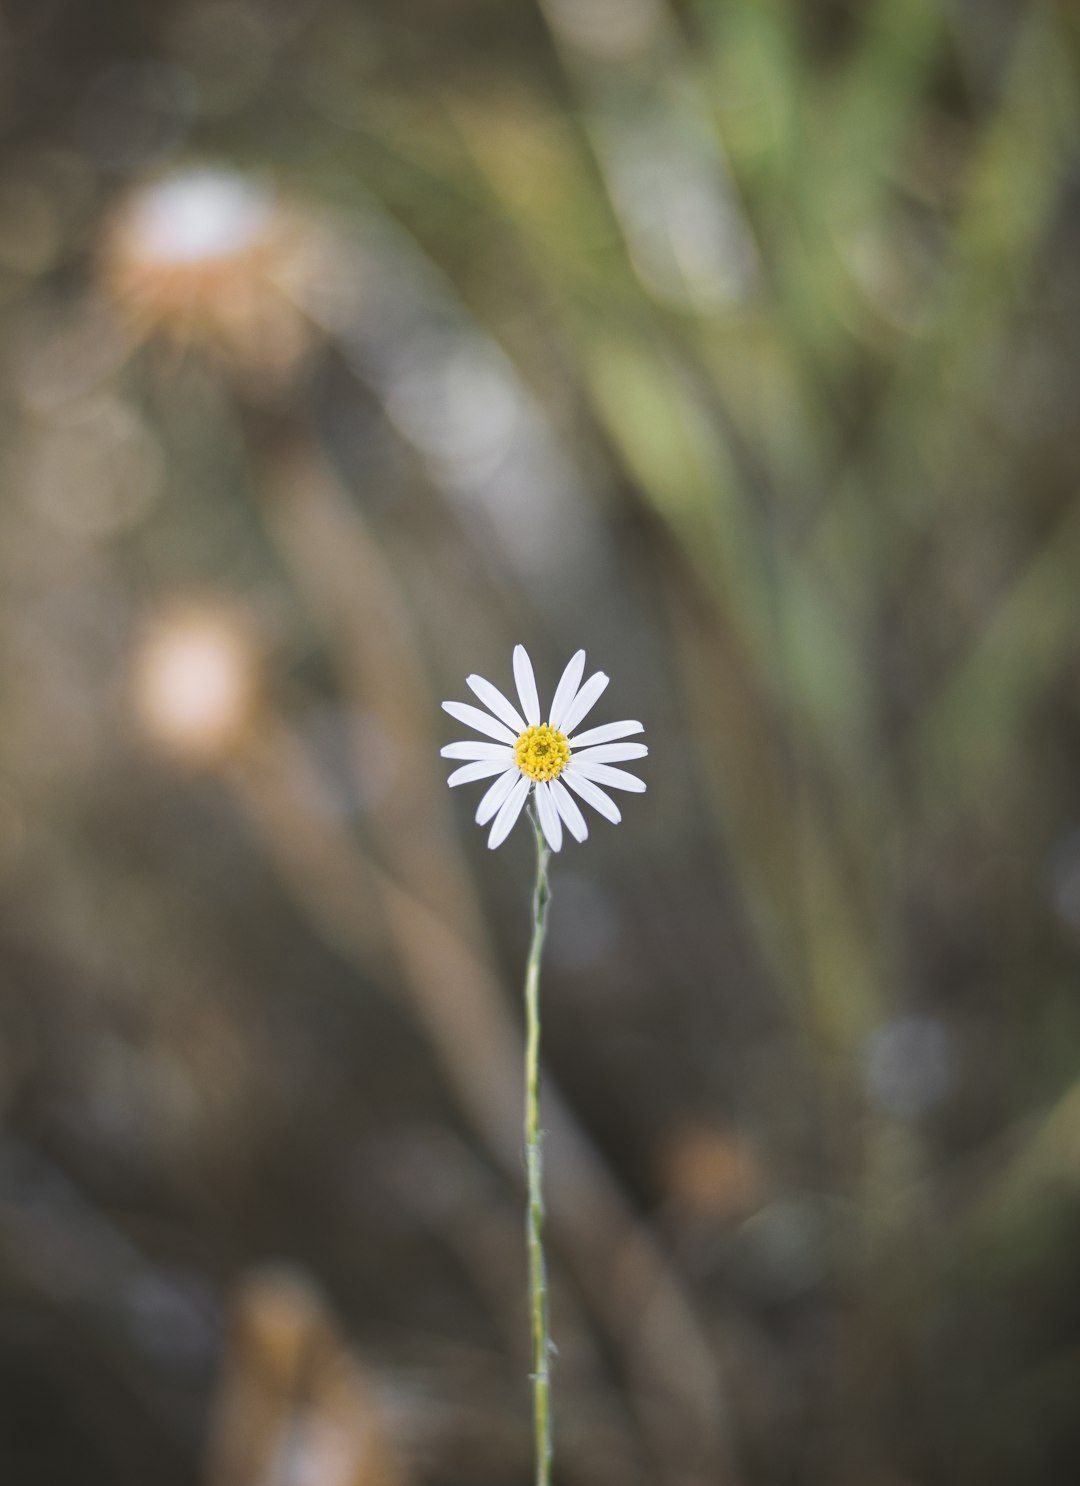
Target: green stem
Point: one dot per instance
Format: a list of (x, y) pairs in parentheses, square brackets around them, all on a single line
[(541, 1348)]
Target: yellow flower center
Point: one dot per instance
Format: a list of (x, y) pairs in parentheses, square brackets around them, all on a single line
[(541, 752)]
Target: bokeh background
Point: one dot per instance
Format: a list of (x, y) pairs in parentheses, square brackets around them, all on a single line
[(343, 346)]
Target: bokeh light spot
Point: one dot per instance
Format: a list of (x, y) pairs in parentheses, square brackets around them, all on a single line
[(195, 683)]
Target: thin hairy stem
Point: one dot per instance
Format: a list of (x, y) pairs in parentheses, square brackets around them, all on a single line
[(541, 1349)]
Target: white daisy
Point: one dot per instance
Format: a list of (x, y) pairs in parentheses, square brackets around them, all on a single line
[(547, 758)]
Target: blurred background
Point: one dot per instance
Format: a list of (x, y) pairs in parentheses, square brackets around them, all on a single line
[(344, 346)]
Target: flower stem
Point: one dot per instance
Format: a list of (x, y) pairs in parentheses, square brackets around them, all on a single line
[(541, 1345)]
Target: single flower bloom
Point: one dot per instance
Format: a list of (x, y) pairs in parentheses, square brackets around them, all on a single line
[(548, 758)]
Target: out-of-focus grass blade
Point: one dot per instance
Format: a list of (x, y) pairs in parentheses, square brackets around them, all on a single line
[(971, 735), (1012, 186)]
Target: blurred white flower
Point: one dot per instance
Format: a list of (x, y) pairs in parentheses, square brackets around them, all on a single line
[(543, 757), (209, 256)]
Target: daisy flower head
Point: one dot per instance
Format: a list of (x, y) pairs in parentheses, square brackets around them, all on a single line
[(543, 754)]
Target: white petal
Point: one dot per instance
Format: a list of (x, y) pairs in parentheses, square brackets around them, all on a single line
[(613, 778), (473, 748), (493, 699), (592, 794), (509, 812), (482, 769), (584, 701), (526, 685), (611, 753), (567, 688), (549, 817), (472, 717), (494, 797), (567, 808), (605, 733)]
